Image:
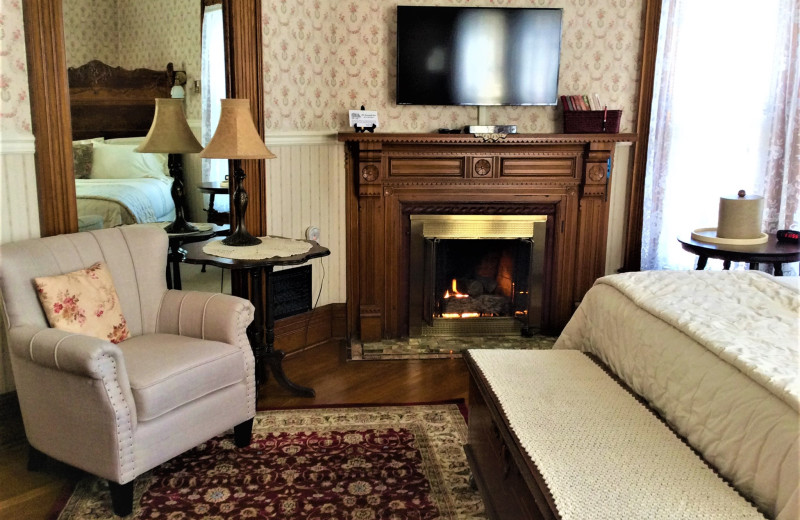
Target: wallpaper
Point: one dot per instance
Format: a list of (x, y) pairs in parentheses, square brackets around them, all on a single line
[(137, 34), (90, 32), (15, 111), (325, 57)]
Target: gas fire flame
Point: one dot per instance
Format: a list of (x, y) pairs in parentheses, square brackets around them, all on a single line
[(455, 293)]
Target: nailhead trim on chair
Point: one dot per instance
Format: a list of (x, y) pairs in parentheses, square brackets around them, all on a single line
[(243, 342), (124, 441)]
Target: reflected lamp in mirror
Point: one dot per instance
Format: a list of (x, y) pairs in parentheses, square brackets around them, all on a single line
[(170, 134), (236, 138)]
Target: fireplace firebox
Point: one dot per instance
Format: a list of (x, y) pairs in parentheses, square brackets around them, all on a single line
[(477, 274)]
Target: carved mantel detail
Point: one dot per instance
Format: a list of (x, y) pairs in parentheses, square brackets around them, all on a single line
[(370, 173), (393, 176)]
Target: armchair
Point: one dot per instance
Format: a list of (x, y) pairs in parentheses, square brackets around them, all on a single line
[(185, 374)]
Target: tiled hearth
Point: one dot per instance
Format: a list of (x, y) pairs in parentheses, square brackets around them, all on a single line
[(443, 347)]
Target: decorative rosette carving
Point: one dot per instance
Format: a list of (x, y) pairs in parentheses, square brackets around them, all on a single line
[(369, 172), (483, 168), (597, 172)]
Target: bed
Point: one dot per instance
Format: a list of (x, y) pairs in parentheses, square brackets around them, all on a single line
[(112, 109), (715, 353)]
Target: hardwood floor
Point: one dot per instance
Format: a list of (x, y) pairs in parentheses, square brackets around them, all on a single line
[(26, 495)]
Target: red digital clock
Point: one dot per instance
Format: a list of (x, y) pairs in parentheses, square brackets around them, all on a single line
[(788, 235)]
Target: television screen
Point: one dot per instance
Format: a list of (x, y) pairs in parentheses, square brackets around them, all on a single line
[(477, 55)]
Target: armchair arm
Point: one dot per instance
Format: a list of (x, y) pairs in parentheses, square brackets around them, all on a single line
[(76, 399), (205, 315), (77, 354)]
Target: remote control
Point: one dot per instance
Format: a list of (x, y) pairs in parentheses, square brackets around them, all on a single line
[(788, 235)]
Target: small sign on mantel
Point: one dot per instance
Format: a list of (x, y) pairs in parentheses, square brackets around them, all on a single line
[(364, 118)]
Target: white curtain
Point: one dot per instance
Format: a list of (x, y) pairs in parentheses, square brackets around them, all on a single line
[(726, 116), (213, 89)]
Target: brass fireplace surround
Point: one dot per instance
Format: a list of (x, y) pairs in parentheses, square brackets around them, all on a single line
[(475, 227)]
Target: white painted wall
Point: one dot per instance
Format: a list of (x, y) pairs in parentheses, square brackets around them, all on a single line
[(19, 217), (306, 187)]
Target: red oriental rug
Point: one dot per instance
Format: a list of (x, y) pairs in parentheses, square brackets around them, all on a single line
[(395, 462)]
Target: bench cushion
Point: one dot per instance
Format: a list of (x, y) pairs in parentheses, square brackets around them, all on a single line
[(595, 446)]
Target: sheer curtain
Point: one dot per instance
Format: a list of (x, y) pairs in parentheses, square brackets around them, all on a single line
[(726, 116), (213, 89)]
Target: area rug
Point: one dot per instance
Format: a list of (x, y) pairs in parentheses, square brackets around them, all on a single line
[(393, 462)]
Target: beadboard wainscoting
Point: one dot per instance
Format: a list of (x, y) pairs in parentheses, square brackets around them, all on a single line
[(306, 187), (19, 217)]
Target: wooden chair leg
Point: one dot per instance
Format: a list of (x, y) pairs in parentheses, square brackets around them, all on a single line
[(243, 433), (121, 498), (36, 459)]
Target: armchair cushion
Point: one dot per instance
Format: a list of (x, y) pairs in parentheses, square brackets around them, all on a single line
[(83, 301), (183, 370)]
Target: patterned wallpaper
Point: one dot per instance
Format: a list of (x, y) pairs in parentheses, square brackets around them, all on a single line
[(325, 57), (90, 32), (136, 34), (15, 110)]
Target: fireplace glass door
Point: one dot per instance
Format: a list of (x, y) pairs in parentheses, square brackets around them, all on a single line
[(475, 281)]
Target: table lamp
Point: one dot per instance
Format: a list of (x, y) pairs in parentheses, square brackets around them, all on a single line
[(170, 133), (236, 138)]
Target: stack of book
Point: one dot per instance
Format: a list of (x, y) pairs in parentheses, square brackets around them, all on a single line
[(582, 102), (584, 114)]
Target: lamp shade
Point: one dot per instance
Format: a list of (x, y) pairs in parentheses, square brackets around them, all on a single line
[(236, 136), (169, 133)]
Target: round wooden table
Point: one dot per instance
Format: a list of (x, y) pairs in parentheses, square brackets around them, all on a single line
[(772, 251), (261, 332), (213, 189)]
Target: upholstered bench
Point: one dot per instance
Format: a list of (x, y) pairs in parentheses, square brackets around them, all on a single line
[(552, 435)]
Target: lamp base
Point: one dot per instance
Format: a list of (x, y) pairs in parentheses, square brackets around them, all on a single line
[(181, 226), (241, 238)]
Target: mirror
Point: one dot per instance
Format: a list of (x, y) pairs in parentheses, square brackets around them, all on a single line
[(44, 33), (120, 56)]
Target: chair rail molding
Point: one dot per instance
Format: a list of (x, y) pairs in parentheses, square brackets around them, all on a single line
[(23, 144), (302, 137)]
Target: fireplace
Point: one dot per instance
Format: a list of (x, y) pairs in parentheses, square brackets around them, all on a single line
[(477, 275), (558, 182)]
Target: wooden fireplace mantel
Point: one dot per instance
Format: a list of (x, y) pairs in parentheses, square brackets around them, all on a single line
[(391, 176)]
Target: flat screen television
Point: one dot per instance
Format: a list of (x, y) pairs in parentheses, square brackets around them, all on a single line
[(477, 55)]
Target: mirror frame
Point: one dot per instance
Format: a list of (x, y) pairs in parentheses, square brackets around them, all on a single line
[(50, 116)]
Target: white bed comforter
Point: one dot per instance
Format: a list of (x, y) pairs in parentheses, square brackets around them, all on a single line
[(716, 353), (125, 201)]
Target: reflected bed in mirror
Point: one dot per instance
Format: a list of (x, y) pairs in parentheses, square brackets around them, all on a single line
[(112, 109)]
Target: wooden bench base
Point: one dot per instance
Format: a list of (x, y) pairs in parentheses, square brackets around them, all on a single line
[(509, 483)]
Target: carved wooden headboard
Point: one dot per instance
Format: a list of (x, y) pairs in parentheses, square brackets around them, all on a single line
[(114, 102)]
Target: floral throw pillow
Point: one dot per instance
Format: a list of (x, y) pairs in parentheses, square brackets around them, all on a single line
[(85, 302), (82, 160)]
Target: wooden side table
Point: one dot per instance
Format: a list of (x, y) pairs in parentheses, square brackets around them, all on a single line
[(772, 251), (176, 253), (261, 332), (213, 189)]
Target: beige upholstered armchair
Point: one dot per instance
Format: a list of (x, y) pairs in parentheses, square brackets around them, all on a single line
[(184, 374)]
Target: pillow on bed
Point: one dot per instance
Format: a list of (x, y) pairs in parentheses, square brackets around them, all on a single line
[(120, 161), (125, 140), (82, 160), (84, 302)]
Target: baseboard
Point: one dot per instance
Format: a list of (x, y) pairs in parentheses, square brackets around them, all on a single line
[(12, 431), (309, 329)]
